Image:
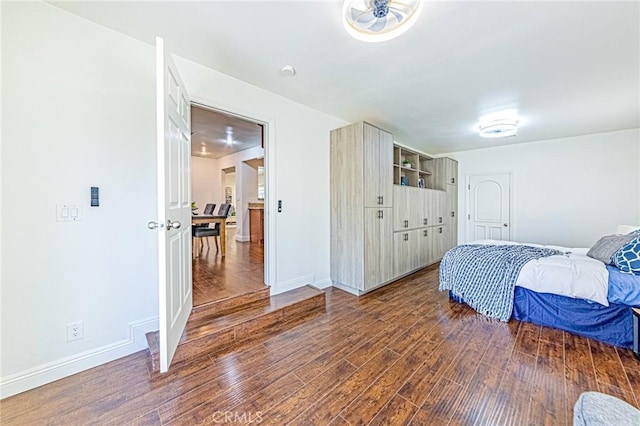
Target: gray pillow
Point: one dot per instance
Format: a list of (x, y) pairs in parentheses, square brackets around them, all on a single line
[(608, 245)]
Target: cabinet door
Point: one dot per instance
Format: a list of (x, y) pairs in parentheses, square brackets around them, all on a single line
[(425, 238), (371, 164), (415, 206), (401, 253), (385, 168), (378, 247), (439, 241), (452, 214), (452, 171), (440, 205), (429, 208), (384, 263), (400, 208)]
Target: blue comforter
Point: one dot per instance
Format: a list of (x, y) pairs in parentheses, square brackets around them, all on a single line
[(624, 289)]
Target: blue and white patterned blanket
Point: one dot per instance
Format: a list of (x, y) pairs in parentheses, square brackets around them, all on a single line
[(484, 276)]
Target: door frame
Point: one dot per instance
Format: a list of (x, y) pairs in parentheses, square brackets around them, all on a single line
[(467, 201), (268, 123)]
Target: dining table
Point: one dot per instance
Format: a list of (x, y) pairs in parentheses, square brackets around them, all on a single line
[(221, 220)]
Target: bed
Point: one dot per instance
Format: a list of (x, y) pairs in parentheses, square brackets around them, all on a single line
[(559, 287)]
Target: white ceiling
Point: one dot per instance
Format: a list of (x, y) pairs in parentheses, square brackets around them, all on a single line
[(569, 68)]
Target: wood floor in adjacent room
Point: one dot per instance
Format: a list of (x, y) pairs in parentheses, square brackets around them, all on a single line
[(215, 277), (404, 354)]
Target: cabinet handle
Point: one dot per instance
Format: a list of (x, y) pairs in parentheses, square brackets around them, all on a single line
[(440, 230), (453, 180), (440, 220), (406, 223), (381, 200), (426, 232), (453, 214), (379, 214), (406, 237), (425, 221)]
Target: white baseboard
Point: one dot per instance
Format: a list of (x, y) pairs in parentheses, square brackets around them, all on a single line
[(242, 238), (293, 283), (55, 370), (322, 284)]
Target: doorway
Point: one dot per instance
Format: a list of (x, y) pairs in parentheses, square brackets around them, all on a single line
[(222, 146), (489, 207)]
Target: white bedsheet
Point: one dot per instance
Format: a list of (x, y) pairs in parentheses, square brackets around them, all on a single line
[(573, 274)]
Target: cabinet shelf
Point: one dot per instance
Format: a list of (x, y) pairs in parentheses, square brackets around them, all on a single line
[(416, 175)]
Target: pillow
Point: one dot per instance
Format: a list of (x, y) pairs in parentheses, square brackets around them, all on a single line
[(627, 259), (608, 245)]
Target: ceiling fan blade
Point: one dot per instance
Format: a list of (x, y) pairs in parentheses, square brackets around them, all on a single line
[(362, 16), (378, 25), (398, 15)]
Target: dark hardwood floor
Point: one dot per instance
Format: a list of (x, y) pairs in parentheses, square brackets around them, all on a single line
[(404, 354), (239, 272)]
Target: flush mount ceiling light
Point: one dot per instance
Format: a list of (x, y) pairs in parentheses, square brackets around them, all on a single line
[(379, 20), (288, 71), (498, 128), (229, 132)]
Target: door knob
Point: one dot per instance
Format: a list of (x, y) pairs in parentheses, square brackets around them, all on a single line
[(153, 225), (174, 225), (505, 225)]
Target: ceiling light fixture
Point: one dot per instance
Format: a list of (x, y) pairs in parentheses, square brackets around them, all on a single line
[(288, 71), (498, 128), (229, 131), (379, 20)]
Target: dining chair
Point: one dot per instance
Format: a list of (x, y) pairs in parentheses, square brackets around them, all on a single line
[(209, 208), (212, 231)]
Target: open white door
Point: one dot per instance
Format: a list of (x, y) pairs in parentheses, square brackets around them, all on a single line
[(174, 204)]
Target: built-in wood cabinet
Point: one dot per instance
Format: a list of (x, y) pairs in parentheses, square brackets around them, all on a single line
[(361, 199), (418, 215), (393, 209)]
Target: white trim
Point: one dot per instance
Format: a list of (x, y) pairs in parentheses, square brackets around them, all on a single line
[(270, 202), (322, 284), (293, 284), (242, 238), (55, 370)]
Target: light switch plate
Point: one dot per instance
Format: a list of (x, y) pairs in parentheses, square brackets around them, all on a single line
[(68, 212)]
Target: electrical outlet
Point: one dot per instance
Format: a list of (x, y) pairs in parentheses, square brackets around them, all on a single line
[(75, 331)]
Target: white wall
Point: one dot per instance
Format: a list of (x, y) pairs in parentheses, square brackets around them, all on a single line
[(234, 160), (297, 158), (248, 192), (205, 174), (568, 191), (82, 112), (79, 112)]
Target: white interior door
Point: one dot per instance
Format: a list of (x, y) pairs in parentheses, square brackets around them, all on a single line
[(489, 202), (174, 204)]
